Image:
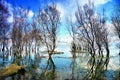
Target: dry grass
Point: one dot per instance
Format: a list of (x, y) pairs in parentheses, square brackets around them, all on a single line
[(11, 69)]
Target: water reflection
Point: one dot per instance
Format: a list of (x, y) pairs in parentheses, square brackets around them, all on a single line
[(73, 67), (49, 72), (33, 70), (50, 68), (98, 66)]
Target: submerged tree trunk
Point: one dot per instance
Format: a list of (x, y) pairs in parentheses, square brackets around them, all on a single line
[(3, 48)]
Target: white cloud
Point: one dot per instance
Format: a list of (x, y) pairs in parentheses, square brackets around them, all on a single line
[(100, 2), (96, 2), (70, 7), (10, 19), (62, 11), (10, 9), (65, 40), (30, 14)]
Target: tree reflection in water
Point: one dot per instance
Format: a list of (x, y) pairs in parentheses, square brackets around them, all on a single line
[(35, 71), (74, 75), (73, 67), (18, 59), (49, 72), (98, 66)]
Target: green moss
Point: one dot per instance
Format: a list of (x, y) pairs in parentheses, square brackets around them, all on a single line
[(49, 75), (117, 75)]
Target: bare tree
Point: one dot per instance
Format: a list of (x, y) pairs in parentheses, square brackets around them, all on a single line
[(92, 28), (18, 32), (50, 21), (116, 20), (116, 23), (4, 26), (36, 33), (72, 28), (21, 30)]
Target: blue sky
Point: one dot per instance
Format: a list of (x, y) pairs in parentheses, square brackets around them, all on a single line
[(68, 5), (68, 8)]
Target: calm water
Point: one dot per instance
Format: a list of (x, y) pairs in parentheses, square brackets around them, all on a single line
[(59, 67)]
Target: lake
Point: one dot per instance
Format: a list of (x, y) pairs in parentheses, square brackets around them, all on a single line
[(59, 67)]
